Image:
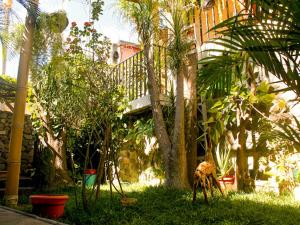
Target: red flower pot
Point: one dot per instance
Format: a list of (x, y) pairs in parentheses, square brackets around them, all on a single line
[(51, 206), (90, 171), (227, 179)]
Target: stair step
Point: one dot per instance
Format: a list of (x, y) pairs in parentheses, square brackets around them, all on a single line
[(22, 191), (20, 188), (23, 180)]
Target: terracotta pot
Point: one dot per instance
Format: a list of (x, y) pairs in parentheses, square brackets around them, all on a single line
[(227, 179), (51, 206)]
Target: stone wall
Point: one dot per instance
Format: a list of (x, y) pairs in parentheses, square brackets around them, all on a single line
[(136, 164), (27, 148)]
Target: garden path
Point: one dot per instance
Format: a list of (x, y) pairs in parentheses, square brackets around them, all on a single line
[(10, 216)]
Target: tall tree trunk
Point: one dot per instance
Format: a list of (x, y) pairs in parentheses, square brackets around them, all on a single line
[(58, 147), (159, 122), (241, 158), (191, 115), (103, 158), (15, 145), (254, 149), (178, 153)]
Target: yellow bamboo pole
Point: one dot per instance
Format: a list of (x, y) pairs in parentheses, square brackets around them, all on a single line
[(15, 145)]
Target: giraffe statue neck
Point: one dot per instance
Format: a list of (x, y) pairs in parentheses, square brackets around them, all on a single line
[(209, 157)]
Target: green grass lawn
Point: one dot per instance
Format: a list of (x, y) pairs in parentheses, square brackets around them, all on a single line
[(158, 205)]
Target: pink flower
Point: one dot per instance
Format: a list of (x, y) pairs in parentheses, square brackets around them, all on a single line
[(73, 24)]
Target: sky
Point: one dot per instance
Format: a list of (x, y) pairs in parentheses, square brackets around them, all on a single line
[(111, 24)]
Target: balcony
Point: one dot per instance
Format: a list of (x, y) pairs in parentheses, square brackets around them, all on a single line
[(131, 74)]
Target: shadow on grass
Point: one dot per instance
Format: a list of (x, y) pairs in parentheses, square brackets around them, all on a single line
[(158, 205)]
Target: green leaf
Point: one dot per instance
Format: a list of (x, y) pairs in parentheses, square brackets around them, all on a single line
[(263, 87)]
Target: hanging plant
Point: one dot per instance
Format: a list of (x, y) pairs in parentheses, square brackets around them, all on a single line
[(57, 21)]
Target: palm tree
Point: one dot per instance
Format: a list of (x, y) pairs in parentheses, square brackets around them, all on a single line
[(144, 14), (178, 48)]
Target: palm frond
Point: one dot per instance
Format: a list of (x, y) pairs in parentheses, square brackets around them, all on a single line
[(179, 43), (270, 36), (143, 14), (218, 72), (282, 132)]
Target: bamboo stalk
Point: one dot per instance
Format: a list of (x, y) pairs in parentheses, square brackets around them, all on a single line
[(15, 145)]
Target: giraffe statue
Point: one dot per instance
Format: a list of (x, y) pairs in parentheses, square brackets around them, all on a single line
[(205, 174)]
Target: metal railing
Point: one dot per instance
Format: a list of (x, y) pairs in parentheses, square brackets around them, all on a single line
[(132, 75)]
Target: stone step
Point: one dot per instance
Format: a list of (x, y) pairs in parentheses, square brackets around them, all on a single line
[(23, 180), (22, 191)]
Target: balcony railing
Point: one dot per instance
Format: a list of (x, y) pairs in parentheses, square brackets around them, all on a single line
[(132, 75), (207, 18)]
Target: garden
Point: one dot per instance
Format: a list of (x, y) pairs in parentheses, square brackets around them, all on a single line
[(198, 123)]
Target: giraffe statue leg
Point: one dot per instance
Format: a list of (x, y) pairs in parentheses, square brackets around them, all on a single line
[(203, 182), (218, 184), (211, 186)]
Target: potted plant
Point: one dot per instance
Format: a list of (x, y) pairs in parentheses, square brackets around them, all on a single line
[(48, 205), (89, 177), (224, 165)]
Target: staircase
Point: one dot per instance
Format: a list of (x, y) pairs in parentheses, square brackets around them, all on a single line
[(25, 184)]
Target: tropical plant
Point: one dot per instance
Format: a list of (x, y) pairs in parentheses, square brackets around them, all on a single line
[(223, 159), (239, 110), (270, 36), (266, 33), (279, 165)]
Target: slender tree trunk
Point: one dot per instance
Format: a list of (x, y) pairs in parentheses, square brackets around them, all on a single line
[(159, 122), (15, 145), (254, 149), (241, 158), (86, 162), (256, 157), (103, 158), (191, 115), (178, 174)]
